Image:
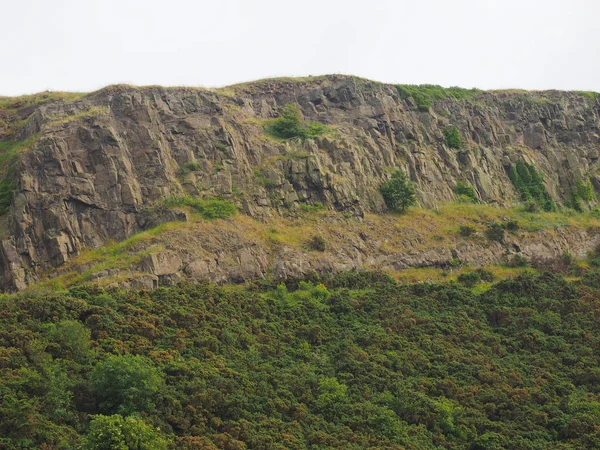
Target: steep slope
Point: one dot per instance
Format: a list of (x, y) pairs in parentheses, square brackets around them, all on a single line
[(94, 169)]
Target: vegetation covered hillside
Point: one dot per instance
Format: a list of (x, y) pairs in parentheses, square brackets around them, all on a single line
[(353, 361)]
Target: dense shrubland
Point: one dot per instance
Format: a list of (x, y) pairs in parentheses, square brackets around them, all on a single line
[(353, 361)]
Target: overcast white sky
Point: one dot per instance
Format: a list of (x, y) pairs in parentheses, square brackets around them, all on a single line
[(82, 45)]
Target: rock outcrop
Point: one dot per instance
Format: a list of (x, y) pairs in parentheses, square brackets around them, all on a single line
[(101, 165)]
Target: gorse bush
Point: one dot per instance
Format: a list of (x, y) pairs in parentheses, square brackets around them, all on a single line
[(207, 208), (469, 279), (530, 185), (119, 433), (290, 125), (398, 192), (452, 137), (351, 360)]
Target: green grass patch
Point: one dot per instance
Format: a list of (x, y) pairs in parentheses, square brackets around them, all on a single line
[(425, 94), (308, 207), (208, 209), (25, 101), (589, 94)]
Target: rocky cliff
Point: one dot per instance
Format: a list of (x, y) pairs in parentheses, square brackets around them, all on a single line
[(95, 169)]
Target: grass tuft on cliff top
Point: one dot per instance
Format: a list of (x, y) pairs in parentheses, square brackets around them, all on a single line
[(425, 94)]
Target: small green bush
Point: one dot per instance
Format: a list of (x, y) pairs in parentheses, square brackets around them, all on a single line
[(466, 230), (316, 206), (567, 258), (469, 279), (511, 225), (317, 243), (191, 166), (452, 137), (289, 125), (495, 232), (518, 261), (398, 192), (531, 206), (486, 275), (455, 262), (208, 209), (463, 189)]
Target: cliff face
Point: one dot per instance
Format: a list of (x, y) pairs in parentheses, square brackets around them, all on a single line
[(101, 165)]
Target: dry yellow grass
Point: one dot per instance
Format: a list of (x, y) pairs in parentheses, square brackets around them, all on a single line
[(418, 229)]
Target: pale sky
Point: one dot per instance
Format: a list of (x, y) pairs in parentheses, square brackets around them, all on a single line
[(82, 45)]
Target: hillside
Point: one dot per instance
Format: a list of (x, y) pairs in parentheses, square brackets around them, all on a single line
[(81, 172), (353, 361)]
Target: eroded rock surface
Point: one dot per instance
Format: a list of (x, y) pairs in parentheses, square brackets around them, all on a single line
[(102, 165)]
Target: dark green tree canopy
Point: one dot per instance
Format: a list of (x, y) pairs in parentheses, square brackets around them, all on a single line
[(398, 192), (125, 384)]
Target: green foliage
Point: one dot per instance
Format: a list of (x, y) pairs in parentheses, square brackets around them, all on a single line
[(352, 360), (118, 433), (463, 189), (7, 188), (518, 261), (495, 232), (315, 206), (469, 279), (582, 192), (126, 384), (452, 137), (72, 339), (9, 158), (485, 275), (466, 230), (264, 181), (317, 243), (425, 94), (530, 185), (290, 125), (398, 192), (531, 206), (208, 209), (455, 262), (589, 94), (190, 166)]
